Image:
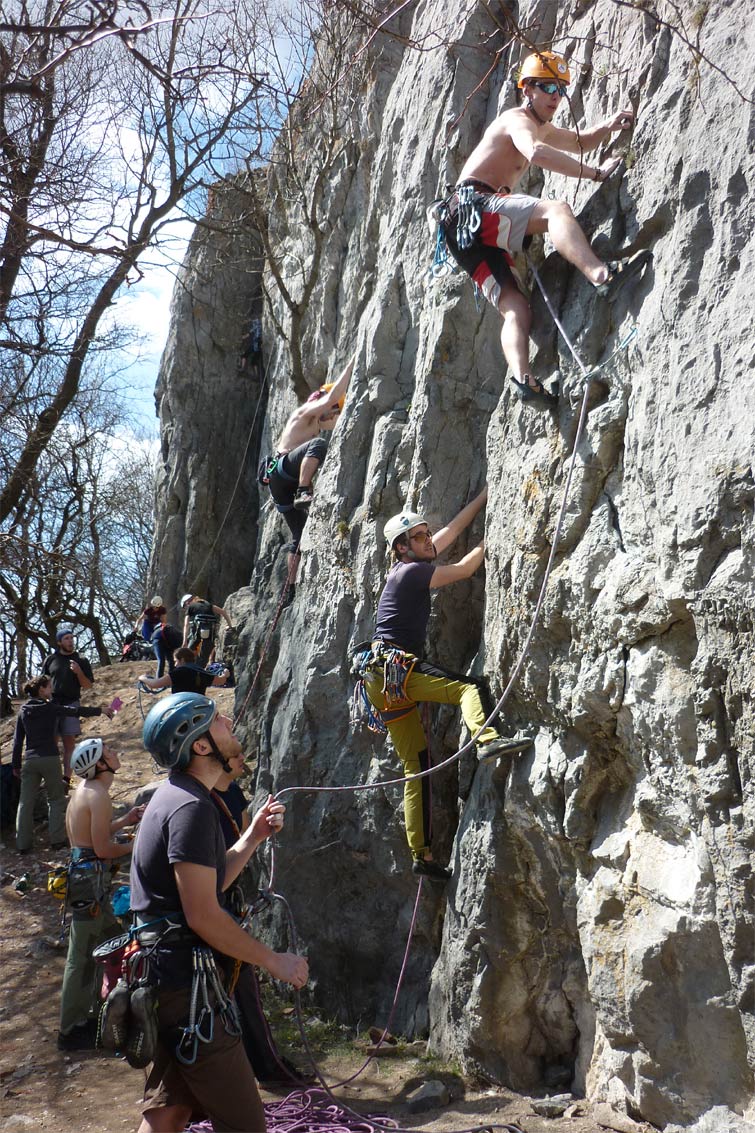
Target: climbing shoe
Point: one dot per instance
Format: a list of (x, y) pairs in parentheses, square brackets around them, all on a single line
[(83, 1037), (504, 745), (141, 1044), (114, 1018), (303, 498), (620, 271), (533, 390), (424, 868)]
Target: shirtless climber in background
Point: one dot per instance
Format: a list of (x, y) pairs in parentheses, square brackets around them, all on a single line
[(518, 138), (299, 453)]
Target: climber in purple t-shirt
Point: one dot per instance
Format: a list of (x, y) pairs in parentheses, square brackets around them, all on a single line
[(402, 617)]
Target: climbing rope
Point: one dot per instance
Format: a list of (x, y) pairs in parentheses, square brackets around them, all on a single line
[(304, 1110), (588, 375), (316, 1110), (142, 688)]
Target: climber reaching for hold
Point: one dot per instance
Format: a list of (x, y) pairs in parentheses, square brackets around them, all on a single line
[(485, 220), (396, 678), (299, 453)]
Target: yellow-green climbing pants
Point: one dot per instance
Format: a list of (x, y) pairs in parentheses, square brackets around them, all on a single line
[(409, 740)]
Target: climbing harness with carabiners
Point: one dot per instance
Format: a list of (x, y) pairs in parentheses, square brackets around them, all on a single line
[(396, 667), (200, 1027), (468, 216)]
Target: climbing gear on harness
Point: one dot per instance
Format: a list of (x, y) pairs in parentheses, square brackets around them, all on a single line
[(396, 666), (486, 753), (619, 271), (401, 524), (128, 1017), (88, 883), (424, 868), (526, 391), (303, 498), (266, 468), (86, 755), (468, 216), (362, 712), (544, 65), (112, 1029), (200, 1026), (173, 724)]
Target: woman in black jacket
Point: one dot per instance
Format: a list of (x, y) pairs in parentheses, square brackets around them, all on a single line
[(37, 726)]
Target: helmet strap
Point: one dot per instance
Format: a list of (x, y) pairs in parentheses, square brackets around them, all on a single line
[(530, 109), (217, 754)]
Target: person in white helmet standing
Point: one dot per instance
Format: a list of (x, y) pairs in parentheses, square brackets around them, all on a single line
[(91, 828), (397, 677)]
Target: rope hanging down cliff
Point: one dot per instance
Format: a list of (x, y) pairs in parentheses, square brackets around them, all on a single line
[(588, 374)]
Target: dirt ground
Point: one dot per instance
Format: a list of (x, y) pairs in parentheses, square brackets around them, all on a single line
[(42, 1088)]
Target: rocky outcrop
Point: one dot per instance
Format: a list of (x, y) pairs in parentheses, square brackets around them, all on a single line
[(598, 934), (211, 399)]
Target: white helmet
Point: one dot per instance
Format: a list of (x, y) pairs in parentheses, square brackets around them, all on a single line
[(86, 755), (156, 601), (186, 598), (401, 524)]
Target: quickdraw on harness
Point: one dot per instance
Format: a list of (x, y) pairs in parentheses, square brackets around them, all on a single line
[(201, 1025), (468, 216), (442, 264), (266, 468), (397, 667)]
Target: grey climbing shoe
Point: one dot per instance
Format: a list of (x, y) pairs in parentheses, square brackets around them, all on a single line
[(303, 498), (504, 745), (114, 1018), (141, 1044)]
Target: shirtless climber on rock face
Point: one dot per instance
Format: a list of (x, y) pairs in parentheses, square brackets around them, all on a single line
[(517, 139), (299, 453)]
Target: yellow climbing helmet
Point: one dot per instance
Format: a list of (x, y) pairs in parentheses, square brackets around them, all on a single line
[(326, 389), (544, 65)]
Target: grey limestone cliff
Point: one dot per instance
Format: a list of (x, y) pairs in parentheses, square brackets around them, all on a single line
[(598, 934), (211, 398)]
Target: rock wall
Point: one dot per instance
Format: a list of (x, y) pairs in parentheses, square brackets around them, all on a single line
[(211, 398), (598, 931)]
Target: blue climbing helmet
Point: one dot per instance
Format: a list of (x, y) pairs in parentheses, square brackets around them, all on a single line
[(173, 724)]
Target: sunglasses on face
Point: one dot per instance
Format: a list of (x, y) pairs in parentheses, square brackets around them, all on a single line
[(551, 88), (422, 535)]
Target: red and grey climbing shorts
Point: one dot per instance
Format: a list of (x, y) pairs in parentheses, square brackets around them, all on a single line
[(503, 226)]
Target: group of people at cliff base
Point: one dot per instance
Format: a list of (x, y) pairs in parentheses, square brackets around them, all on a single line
[(180, 728), (201, 620)]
